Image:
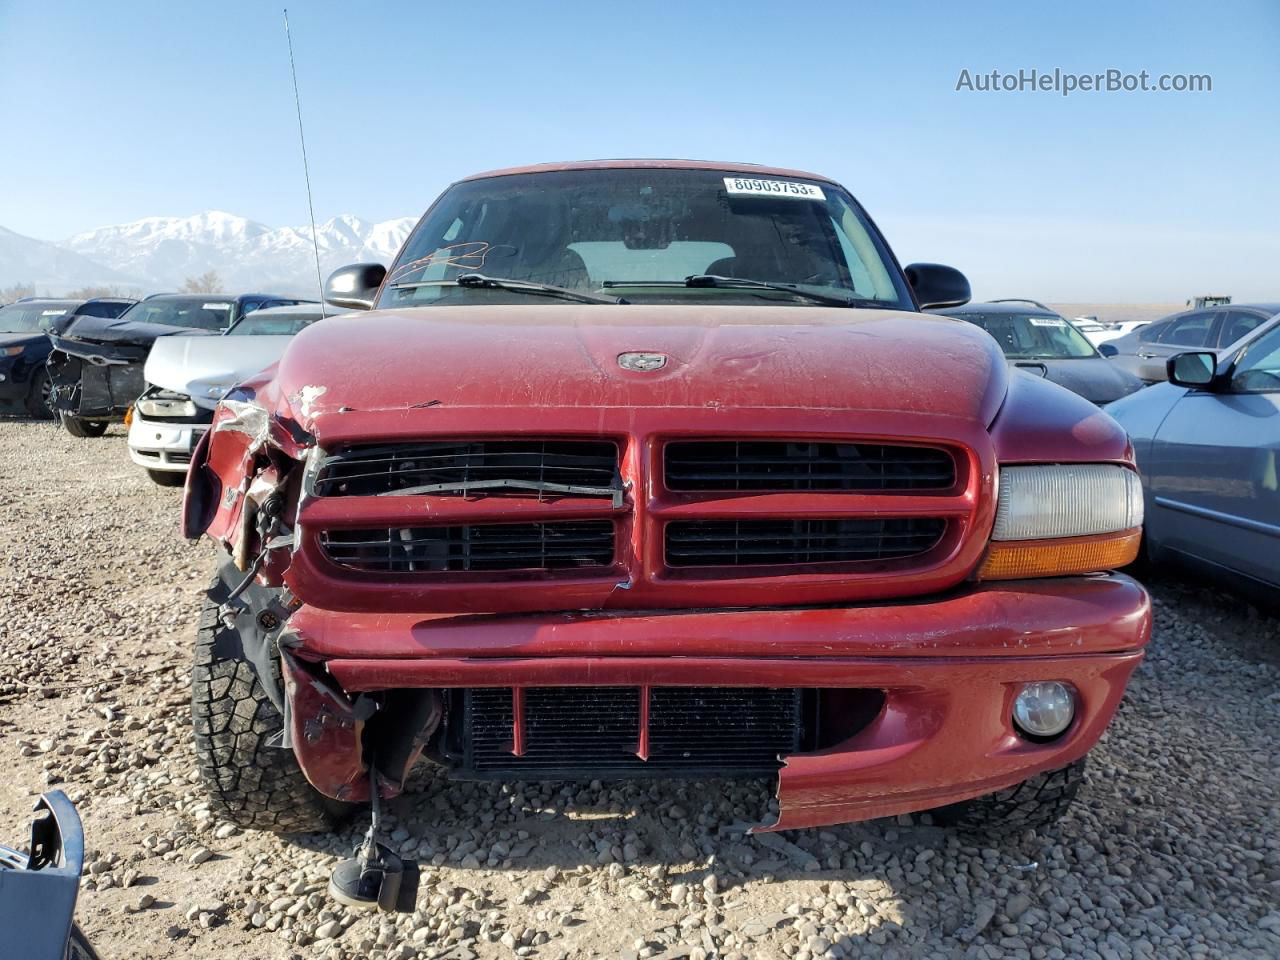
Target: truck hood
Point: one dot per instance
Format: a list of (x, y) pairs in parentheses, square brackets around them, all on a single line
[(719, 356), (206, 367)]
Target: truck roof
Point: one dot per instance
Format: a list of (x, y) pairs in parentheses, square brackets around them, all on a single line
[(651, 164)]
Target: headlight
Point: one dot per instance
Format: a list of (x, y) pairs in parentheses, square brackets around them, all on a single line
[(1064, 519), (165, 404), (11, 351)]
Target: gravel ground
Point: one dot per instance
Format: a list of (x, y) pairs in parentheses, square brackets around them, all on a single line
[(1172, 851)]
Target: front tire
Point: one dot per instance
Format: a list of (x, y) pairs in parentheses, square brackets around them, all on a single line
[(249, 782), (38, 399), (84, 428), (166, 478), (1029, 805)]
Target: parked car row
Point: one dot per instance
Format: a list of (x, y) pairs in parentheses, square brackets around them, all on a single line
[(96, 363), (186, 376)]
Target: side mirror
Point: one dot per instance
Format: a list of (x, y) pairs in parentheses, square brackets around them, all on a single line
[(355, 285), (1108, 350), (1196, 369), (938, 286)]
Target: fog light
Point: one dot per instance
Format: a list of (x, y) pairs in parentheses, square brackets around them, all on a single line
[(1044, 709)]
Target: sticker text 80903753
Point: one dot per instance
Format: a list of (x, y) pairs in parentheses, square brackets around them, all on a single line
[(750, 186)]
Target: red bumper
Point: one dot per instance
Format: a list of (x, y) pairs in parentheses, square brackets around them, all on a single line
[(948, 667)]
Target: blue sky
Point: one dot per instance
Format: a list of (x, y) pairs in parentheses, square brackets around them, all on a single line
[(115, 111)]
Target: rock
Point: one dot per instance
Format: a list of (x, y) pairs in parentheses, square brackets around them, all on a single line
[(1017, 905), (200, 855)]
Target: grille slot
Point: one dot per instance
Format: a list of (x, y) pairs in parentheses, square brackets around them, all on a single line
[(370, 471), (781, 465), (574, 731), (738, 543), (561, 545)]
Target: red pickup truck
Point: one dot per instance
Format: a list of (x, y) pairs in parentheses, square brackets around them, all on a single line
[(655, 468)]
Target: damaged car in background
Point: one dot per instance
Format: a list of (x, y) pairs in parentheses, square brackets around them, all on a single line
[(186, 376), (25, 327), (95, 366), (654, 468)]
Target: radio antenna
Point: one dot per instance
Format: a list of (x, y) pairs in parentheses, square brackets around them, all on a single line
[(306, 170)]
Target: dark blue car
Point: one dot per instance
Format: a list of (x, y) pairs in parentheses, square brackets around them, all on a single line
[(24, 346)]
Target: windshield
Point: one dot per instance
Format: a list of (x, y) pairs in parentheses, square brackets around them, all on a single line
[(264, 323), (1033, 336), (638, 233), (33, 317), (201, 313)]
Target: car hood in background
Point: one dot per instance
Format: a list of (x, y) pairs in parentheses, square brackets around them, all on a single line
[(126, 332), (204, 367), (1094, 378)]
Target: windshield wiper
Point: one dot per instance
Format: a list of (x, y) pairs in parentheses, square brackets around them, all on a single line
[(483, 281), (466, 486), (744, 283)]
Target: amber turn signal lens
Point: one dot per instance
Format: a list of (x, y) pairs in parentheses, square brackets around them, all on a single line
[(1013, 559), (128, 416)]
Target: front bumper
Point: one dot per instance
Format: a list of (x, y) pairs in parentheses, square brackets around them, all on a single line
[(948, 668), (159, 445)]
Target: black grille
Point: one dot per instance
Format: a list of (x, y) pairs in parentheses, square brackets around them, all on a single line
[(737, 543), (369, 471), (595, 731), (476, 547), (779, 465)]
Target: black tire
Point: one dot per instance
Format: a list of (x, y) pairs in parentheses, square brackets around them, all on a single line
[(1029, 805), (166, 478), (249, 782), (38, 397), (78, 945), (84, 428)]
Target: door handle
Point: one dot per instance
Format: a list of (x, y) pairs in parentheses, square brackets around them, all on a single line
[(1147, 356)]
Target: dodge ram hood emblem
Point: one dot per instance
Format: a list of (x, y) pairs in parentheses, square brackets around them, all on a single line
[(642, 362)]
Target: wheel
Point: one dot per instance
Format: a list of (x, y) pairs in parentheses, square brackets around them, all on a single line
[(167, 478), (249, 782), (78, 945), (84, 428), (1031, 804), (38, 397)]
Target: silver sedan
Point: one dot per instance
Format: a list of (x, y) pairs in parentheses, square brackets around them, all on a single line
[(1207, 444)]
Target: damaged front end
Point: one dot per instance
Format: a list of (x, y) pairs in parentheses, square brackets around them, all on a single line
[(492, 627), (94, 381)]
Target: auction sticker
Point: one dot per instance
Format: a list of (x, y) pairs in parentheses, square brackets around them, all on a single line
[(1047, 322), (751, 187)]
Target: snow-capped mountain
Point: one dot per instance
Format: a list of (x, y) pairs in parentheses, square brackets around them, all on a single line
[(49, 267), (161, 252), (158, 253)]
